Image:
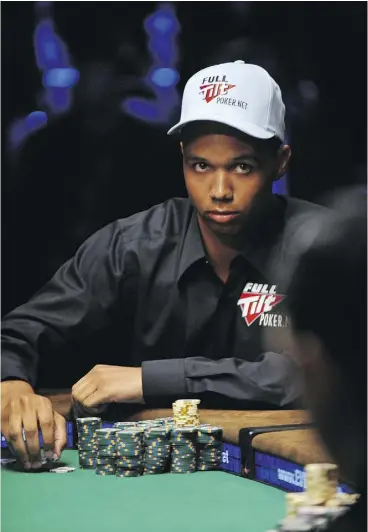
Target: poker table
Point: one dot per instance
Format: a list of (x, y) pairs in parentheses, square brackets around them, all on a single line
[(84, 501), (247, 494)]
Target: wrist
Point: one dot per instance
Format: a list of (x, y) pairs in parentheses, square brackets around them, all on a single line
[(15, 388)]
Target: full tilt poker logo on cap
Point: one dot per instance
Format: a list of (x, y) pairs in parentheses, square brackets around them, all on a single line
[(256, 300), (214, 87)]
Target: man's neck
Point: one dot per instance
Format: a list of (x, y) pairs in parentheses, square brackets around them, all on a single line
[(220, 251)]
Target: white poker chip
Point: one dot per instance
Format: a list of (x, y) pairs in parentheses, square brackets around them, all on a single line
[(65, 469), (8, 460)]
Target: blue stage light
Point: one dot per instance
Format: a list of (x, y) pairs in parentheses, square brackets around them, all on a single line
[(60, 77), (35, 121), (163, 51), (165, 77), (142, 109), (49, 49), (162, 21), (162, 77), (280, 186), (58, 100)]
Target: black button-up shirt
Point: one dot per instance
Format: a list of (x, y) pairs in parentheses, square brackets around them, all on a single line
[(140, 292)]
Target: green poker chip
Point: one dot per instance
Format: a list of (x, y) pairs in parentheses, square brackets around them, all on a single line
[(157, 449), (209, 448), (184, 450), (122, 472), (87, 444), (129, 449), (125, 425), (149, 447)]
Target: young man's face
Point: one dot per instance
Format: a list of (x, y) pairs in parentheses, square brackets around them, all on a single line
[(227, 178)]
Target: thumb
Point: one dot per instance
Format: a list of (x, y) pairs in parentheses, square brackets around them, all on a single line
[(59, 434)]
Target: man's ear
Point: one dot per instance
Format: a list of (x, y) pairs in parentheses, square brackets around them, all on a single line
[(283, 158)]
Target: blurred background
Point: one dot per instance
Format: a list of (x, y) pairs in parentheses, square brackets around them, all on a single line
[(89, 90)]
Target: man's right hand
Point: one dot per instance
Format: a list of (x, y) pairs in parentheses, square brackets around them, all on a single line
[(21, 409)]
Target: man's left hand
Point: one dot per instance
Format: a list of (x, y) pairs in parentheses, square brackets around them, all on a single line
[(109, 384)]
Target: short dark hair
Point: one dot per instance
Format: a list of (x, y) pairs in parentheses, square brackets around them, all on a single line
[(193, 130)]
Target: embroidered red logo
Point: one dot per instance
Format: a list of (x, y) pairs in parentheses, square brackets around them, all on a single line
[(215, 86), (256, 299)]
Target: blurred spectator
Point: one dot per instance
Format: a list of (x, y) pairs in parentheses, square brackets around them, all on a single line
[(327, 280)]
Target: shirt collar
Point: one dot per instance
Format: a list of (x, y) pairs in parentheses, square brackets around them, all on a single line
[(257, 249), (192, 249)]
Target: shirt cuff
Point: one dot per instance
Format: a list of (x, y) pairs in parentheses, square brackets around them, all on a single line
[(12, 369), (162, 378)]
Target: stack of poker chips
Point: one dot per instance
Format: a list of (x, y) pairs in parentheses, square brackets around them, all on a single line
[(321, 518), (157, 449), (167, 422), (146, 424), (129, 452), (106, 453), (209, 444), (321, 503), (150, 423), (123, 425), (87, 441), (183, 455), (185, 412), (321, 482)]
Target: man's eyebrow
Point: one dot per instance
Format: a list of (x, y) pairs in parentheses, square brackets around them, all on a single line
[(193, 157), (243, 157)]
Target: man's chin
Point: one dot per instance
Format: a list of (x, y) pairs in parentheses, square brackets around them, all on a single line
[(230, 228), (226, 230)]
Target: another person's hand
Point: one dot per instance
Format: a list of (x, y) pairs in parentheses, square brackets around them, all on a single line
[(21, 409), (109, 384)]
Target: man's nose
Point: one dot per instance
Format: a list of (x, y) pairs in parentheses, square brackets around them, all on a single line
[(221, 187)]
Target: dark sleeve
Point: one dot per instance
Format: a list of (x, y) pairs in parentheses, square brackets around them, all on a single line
[(73, 305), (273, 378)]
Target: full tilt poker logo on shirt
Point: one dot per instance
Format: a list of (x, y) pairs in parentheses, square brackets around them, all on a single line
[(216, 88), (257, 301)]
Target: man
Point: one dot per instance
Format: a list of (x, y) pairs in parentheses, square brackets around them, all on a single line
[(183, 289), (328, 308)]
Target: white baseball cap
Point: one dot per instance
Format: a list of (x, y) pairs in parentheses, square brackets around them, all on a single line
[(238, 95)]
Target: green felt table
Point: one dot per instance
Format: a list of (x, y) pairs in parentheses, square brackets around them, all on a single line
[(83, 501)]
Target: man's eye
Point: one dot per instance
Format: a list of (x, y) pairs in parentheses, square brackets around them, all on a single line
[(200, 167), (243, 168)]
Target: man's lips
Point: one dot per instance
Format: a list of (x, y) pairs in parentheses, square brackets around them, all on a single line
[(222, 216)]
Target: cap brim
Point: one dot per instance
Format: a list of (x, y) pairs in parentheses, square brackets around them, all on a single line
[(247, 128)]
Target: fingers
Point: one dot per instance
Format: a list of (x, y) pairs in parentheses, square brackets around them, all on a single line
[(95, 398), (83, 389), (59, 434), (94, 388), (15, 436), (46, 423), (22, 419), (30, 425)]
